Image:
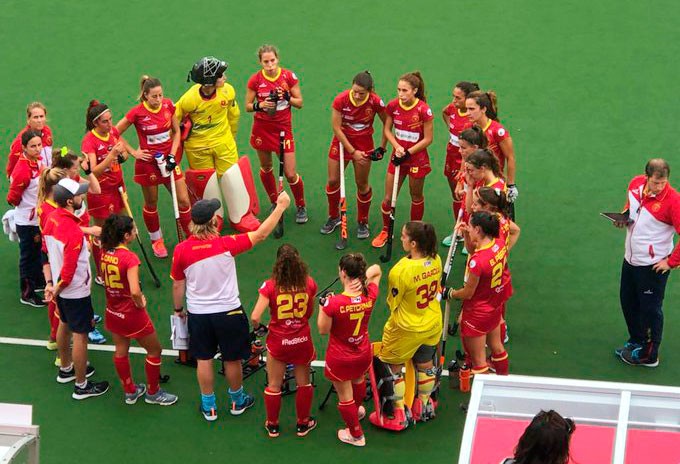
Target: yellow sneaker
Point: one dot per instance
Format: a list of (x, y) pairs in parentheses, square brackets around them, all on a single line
[(380, 240), (159, 250), (51, 345), (57, 361)]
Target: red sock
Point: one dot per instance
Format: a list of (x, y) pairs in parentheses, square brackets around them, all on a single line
[(151, 220), (359, 392), (349, 412), (152, 367), (417, 210), (184, 220), (364, 206), (456, 207), (385, 208), (54, 320), (480, 369), (272, 403), (333, 201), (122, 366), (504, 331), (269, 183), (298, 189), (501, 363), (303, 402), (97, 256)]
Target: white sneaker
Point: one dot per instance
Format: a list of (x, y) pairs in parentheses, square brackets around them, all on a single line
[(346, 437)]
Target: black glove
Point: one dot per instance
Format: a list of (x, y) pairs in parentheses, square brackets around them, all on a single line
[(397, 161), (256, 106), (261, 330), (446, 293), (273, 96), (286, 95), (170, 162), (323, 296), (377, 154), (121, 159)]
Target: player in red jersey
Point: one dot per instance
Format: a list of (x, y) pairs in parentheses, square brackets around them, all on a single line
[(289, 294), (349, 355), (271, 93), (158, 132), (483, 294), (36, 115), (456, 118), (411, 119), (483, 112), (483, 170), (354, 112), (126, 317)]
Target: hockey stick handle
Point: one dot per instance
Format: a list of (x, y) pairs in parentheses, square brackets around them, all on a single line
[(282, 137), (452, 248)]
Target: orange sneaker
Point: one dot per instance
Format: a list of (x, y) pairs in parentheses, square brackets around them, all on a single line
[(380, 240), (159, 249)]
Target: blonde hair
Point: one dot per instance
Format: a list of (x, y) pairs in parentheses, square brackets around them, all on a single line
[(48, 179), (267, 49), (147, 83), (33, 105), (204, 231)]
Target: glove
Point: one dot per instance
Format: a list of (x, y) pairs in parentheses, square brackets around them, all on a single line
[(323, 296), (377, 154), (261, 330), (170, 162), (397, 161), (446, 293), (286, 95), (513, 193)]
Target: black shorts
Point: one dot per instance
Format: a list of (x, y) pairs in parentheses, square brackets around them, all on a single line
[(424, 354), (227, 330), (77, 313)]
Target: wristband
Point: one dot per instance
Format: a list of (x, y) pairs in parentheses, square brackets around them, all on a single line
[(51, 282), (256, 106), (179, 310), (87, 171)]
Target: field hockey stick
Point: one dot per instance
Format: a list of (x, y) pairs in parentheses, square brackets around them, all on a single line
[(278, 231), (324, 291), (175, 207), (156, 280), (342, 242), (445, 275), (393, 206)]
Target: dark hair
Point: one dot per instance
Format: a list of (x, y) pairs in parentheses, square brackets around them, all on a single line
[(655, 167), (487, 221), (64, 161), (494, 198), (147, 83), (28, 135), (267, 49), (545, 440), (354, 265), (488, 101), (364, 79), (485, 158), (415, 80), (424, 235), (467, 87), (475, 136), (290, 272), (94, 110), (114, 229)]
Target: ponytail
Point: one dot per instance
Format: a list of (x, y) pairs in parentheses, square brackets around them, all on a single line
[(415, 80), (495, 198), (475, 136), (488, 101), (354, 266), (424, 235), (146, 84), (48, 179)]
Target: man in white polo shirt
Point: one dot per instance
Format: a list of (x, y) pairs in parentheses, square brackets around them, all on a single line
[(653, 208), (204, 269)]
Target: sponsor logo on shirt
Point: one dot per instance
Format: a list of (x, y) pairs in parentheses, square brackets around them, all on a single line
[(146, 118), (501, 132), (294, 341)]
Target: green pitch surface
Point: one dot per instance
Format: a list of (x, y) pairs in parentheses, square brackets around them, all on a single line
[(587, 90)]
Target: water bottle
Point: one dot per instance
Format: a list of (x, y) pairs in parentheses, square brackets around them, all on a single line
[(160, 160), (464, 378)]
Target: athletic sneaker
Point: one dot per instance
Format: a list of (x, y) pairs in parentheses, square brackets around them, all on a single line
[(96, 337), (362, 231), (70, 376), (637, 357), (362, 412), (346, 437), (161, 397), (159, 250), (301, 215), (447, 240), (330, 225), (273, 430), (238, 409), (210, 415), (90, 390), (131, 398), (380, 240), (420, 412), (97, 319), (304, 428), (99, 281), (626, 346), (33, 300), (51, 345)]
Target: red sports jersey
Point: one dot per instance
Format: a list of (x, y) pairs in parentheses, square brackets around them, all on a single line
[(504, 230), (349, 332), (358, 117), (458, 122), (154, 127), (112, 178), (489, 264), (409, 122), (262, 85), (114, 265), (289, 312), (15, 150), (497, 184), (495, 134)]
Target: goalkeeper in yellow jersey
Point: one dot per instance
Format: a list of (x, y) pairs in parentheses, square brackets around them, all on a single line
[(211, 109)]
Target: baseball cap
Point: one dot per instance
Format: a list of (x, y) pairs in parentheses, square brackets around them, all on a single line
[(204, 210), (69, 188)]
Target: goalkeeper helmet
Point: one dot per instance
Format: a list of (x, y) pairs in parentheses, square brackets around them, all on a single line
[(207, 70)]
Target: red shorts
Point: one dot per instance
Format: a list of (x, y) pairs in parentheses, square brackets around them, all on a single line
[(417, 166), (342, 370), (265, 137), (102, 205), (361, 142), (134, 323), (148, 174), (477, 324), (453, 162), (291, 350)]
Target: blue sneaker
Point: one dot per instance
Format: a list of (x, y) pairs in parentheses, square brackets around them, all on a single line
[(97, 319), (638, 357), (131, 398), (96, 337), (247, 401), (626, 346)]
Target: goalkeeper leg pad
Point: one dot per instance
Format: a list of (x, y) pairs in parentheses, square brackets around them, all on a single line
[(238, 190)]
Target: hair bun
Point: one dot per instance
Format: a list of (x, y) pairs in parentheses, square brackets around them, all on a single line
[(93, 103)]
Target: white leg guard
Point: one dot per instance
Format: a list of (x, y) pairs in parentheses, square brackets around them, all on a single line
[(238, 189), (203, 184)]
